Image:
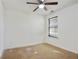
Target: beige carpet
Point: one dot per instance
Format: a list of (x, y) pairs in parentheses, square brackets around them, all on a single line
[(40, 51)]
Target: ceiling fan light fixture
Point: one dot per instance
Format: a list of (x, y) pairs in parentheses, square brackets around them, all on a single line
[(42, 0), (41, 6)]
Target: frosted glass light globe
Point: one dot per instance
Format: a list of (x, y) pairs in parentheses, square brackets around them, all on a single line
[(41, 6), (42, 0)]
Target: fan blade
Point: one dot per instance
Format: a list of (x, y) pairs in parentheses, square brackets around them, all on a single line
[(32, 3), (51, 3), (45, 9), (35, 9)]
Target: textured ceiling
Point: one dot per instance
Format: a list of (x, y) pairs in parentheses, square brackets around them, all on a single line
[(20, 5)]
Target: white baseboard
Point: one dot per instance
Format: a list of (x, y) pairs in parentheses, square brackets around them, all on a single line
[(24, 45), (62, 47)]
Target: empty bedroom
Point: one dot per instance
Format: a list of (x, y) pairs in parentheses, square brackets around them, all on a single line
[(38, 29)]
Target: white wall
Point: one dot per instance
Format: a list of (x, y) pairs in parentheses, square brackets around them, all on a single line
[(1, 28), (22, 29), (67, 20)]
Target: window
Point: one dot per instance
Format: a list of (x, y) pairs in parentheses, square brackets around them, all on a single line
[(53, 27)]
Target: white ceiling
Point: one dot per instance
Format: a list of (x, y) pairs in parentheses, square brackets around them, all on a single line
[(20, 5)]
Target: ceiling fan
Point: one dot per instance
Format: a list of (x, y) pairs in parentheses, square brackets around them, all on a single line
[(41, 4)]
